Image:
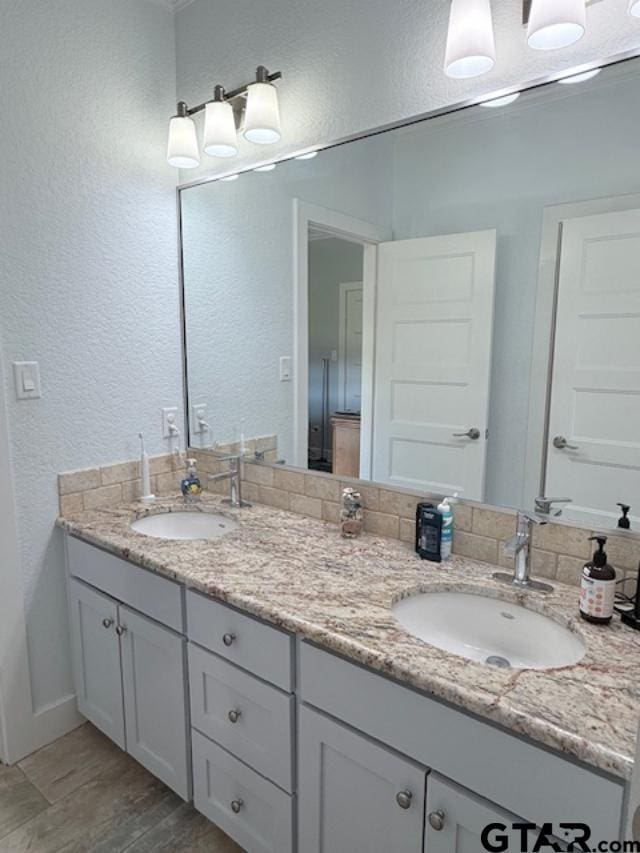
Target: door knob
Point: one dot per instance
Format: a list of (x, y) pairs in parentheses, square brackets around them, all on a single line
[(403, 799), (561, 443), (228, 639), (436, 820), (234, 715), (107, 623), (473, 434), (236, 805), (121, 629)]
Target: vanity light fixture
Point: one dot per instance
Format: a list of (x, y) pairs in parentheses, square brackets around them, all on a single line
[(311, 154), (268, 168), (471, 49), (501, 102), (581, 77), (634, 8), (556, 23), (230, 177), (256, 103)]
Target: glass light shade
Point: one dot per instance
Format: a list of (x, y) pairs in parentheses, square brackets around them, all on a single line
[(311, 154), (556, 23), (634, 8), (230, 178), (182, 148), (219, 136), (501, 102), (471, 47), (262, 116), (268, 168), (580, 78)]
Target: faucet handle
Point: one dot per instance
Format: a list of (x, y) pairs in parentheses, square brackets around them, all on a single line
[(544, 505)]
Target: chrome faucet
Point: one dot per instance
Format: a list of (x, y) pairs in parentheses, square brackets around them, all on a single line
[(545, 505), (519, 547), (234, 477)]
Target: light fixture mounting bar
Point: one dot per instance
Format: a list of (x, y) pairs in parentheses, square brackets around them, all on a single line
[(526, 9), (262, 76)]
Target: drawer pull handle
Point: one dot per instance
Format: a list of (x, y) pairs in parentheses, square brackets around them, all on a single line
[(236, 805), (436, 820), (121, 629), (228, 639), (234, 715), (107, 623), (403, 799)]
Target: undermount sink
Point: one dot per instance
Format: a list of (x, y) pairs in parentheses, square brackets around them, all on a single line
[(489, 630), (185, 525)]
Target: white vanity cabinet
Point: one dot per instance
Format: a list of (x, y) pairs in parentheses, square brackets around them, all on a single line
[(129, 670)]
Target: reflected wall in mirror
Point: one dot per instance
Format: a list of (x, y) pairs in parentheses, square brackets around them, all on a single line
[(452, 306)]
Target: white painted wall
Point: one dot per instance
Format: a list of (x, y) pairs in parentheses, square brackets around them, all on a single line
[(351, 66), (331, 262), (499, 169), (87, 268), (238, 264)]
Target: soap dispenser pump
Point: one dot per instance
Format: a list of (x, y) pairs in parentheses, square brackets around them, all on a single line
[(624, 522), (598, 586)]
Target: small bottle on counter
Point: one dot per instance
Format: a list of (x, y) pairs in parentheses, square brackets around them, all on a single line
[(429, 532), (598, 586), (191, 487), (446, 533), (351, 513)]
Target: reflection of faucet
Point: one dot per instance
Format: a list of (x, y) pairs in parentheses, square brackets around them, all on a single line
[(519, 547), (235, 480), (545, 505)]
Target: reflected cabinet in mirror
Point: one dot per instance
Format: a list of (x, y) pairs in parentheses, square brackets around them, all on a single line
[(451, 306)]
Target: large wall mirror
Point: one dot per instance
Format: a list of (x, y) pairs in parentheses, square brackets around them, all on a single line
[(450, 306)]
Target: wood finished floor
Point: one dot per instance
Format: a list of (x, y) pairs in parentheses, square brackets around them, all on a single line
[(83, 794)]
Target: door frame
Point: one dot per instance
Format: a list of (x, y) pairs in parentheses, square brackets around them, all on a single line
[(343, 288), (545, 330), (16, 705), (368, 236)]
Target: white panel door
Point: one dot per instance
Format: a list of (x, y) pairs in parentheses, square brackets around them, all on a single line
[(593, 453), (96, 659), (350, 347), (433, 362), (155, 698)]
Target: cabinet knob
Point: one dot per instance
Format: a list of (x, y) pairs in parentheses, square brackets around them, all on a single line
[(107, 623), (236, 805), (404, 798), (228, 639), (436, 820), (234, 715), (121, 629)]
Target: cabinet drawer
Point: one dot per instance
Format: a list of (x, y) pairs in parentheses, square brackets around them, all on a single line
[(263, 818), (261, 649), (531, 782), (151, 594), (251, 719)]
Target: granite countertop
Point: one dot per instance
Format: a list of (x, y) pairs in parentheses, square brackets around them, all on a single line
[(300, 574)]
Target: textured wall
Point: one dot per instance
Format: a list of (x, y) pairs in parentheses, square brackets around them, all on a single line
[(88, 265), (350, 66)]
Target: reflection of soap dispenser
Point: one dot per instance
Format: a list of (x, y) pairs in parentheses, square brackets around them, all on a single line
[(624, 521), (598, 586), (190, 486)]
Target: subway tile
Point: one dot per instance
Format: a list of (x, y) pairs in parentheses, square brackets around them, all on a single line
[(259, 474), (289, 481), (168, 484), (79, 481), (105, 496), (70, 504), (463, 517), (266, 443), (331, 512), (399, 503), (382, 524), (250, 491), (121, 472), (162, 464), (493, 524), (305, 505), (408, 530), (475, 547), (273, 497), (326, 488), (573, 541), (570, 570), (623, 551)]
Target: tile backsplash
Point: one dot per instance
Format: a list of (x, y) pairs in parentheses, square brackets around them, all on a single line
[(559, 550)]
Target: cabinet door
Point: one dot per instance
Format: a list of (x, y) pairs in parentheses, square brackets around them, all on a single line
[(153, 675), (456, 819), (96, 659), (355, 795)]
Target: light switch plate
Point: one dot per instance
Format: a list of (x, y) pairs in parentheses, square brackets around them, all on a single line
[(169, 416), (285, 368), (198, 415), (27, 380)]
